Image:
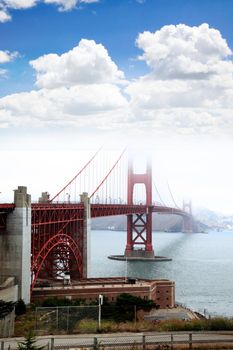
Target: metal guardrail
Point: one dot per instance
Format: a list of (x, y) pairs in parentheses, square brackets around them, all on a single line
[(127, 342)]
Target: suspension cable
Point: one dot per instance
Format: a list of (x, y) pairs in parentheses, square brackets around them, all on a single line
[(172, 196), (105, 178), (156, 188), (69, 183)]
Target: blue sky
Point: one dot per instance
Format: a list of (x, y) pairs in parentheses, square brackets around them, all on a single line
[(157, 74), (114, 23)]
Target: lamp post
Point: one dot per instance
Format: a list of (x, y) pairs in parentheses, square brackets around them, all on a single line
[(101, 299)]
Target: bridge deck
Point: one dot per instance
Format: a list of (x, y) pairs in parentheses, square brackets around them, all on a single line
[(101, 210), (48, 213)]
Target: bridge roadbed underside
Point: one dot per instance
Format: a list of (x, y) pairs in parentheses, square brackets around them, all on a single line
[(137, 258)]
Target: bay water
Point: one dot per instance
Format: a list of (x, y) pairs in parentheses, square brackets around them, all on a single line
[(201, 266)]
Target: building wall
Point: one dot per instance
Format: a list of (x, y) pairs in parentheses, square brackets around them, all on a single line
[(161, 291), (165, 294)]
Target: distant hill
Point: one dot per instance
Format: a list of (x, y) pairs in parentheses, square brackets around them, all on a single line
[(214, 220), (161, 222)]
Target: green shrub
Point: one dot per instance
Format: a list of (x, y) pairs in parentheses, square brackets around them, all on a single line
[(124, 308), (20, 307), (220, 324)]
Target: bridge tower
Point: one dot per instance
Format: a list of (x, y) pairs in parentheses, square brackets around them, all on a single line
[(187, 220), (139, 226), (15, 252)]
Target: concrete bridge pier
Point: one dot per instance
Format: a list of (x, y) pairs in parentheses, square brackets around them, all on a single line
[(86, 234), (187, 226), (15, 252), (187, 220)]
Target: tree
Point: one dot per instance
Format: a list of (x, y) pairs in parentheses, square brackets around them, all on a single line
[(20, 307), (123, 309), (29, 343)]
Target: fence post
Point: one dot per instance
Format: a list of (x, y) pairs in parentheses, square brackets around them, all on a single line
[(172, 340), (57, 318), (95, 345), (190, 341), (52, 344), (68, 316), (144, 342)]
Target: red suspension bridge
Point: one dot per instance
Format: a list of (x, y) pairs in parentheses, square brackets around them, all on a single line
[(59, 226)]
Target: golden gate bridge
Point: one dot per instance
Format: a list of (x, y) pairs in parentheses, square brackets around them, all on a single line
[(59, 226)]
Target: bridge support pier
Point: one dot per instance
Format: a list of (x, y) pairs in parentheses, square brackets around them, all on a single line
[(15, 252), (86, 234), (187, 220), (187, 226)]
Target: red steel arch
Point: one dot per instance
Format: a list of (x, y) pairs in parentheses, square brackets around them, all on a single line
[(57, 240), (57, 230)]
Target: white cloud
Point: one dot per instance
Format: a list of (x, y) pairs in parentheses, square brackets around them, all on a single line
[(185, 52), (81, 87), (86, 63), (63, 5), (77, 88), (190, 87), (19, 4), (6, 56), (4, 16), (96, 106)]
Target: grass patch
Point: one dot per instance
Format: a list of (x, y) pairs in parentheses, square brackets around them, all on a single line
[(86, 326), (25, 323)]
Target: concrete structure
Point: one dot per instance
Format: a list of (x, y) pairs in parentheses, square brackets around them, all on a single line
[(15, 252), (86, 233), (44, 197), (161, 291), (9, 290)]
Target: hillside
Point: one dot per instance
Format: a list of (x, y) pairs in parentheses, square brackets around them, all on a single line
[(161, 222)]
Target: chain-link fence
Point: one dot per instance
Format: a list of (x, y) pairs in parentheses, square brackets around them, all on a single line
[(86, 319), (156, 341), (67, 319)]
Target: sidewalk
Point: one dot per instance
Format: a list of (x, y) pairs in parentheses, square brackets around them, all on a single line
[(178, 313)]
